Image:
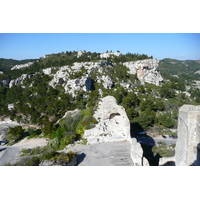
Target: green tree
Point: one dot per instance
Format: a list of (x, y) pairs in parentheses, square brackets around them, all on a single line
[(166, 120), (130, 100), (166, 91), (131, 113), (146, 119), (15, 133)]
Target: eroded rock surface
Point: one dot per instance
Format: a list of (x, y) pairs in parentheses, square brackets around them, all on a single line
[(146, 70), (20, 80), (113, 123)]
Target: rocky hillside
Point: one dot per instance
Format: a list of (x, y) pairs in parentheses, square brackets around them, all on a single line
[(47, 90)]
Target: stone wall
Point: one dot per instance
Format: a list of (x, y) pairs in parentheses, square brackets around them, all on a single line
[(187, 146)]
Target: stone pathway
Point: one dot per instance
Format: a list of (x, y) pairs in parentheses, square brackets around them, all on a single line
[(104, 154)]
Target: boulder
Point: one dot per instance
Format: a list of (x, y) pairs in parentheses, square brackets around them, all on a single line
[(113, 123), (187, 146)]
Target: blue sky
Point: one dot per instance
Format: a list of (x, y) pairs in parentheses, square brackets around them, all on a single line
[(179, 46)]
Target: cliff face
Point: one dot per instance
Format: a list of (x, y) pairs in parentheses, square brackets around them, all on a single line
[(187, 150), (146, 70)]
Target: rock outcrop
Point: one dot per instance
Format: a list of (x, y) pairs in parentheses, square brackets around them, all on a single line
[(113, 123), (80, 53), (20, 80), (79, 84), (22, 66), (146, 70), (187, 150), (64, 76), (109, 54), (136, 154)]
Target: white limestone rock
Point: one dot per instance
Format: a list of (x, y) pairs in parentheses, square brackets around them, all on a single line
[(22, 66), (84, 82), (108, 54), (168, 161), (20, 80), (61, 74), (10, 106), (74, 85), (187, 151), (107, 82), (48, 71), (113, 123), (136, 154), (80, 53), (197, 72), (146, 70)]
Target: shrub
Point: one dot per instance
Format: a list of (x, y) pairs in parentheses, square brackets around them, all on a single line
[(163, 151), (32, 132), (15, 133), (146, 119), (34, 161), (48, 154)]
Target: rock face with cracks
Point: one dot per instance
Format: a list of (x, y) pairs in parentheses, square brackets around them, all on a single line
[(146, 70), (113, 123)]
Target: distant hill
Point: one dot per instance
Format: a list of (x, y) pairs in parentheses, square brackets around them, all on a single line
[(7, 64), (187, 68)]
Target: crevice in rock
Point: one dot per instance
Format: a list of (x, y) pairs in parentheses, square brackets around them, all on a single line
[(113, 115)]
